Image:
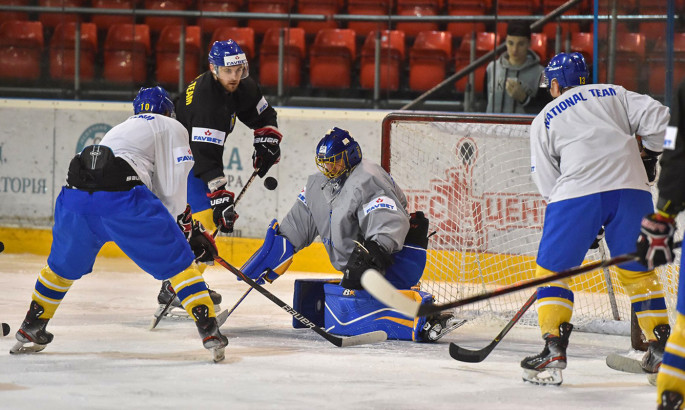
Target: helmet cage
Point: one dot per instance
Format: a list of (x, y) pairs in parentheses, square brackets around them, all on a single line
[(337, 147), (331, 171)]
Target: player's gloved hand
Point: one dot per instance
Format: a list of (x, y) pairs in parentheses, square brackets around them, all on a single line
[(418, 230), (655, 243), (185, 222), (650, 159), (598, 239), (222, 203), (203, 245), (371, 255), (267, 150)]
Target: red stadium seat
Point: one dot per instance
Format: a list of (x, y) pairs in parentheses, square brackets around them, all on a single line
[(583, 43), (244, 36), (293, 55), (428, 58), (51, 20), (13, 15), (21, 48), (104, 21), (538, 43), (127, 47), (391, 63), (168, 55), (331, 58), (63, 53), (464, 8), (657, 64), (484, 43), (267, 6), (368, 8), (550, 29), (212, 24), (417, 8), (327, 7), (157, 23), (630, 54)]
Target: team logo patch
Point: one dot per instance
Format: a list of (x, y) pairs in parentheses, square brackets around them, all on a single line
[(302, 197), (669, 141), (182, 155), (382, 202), (262, 105), (208, 135)]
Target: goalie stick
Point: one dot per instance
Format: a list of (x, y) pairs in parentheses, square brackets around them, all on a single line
[(340, 341), (476, 356), (374, 282)]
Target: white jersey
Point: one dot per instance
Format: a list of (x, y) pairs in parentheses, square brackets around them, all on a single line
[(157, 148), (583, 142)]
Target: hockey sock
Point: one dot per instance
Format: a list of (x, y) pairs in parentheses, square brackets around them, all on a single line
[(554, 304), (191, 289), (49, 291), (647, 298), (672, 370)]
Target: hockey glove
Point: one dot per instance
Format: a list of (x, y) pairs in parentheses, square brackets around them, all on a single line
[(655, 243), (650, 159), (598, 239), (185, 222), (203, 245), (267, 151), (224, 215), (418, 230), (371, 255)]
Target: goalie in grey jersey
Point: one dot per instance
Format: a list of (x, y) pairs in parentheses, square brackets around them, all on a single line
[(360, 214)]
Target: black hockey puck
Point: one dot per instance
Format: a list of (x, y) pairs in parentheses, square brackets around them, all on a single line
[(270, 183), (5, 329)]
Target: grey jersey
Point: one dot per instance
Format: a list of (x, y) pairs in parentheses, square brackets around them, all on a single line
[(368, 206)]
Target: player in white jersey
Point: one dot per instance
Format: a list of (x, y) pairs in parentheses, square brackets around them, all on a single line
[(353, 200), (586, 163), (655, 247), (130, 189)]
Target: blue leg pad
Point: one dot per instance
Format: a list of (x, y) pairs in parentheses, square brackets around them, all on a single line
[(308, 299)]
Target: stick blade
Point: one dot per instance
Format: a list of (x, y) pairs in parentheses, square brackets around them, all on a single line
[(376, 284), (365, 338), (469, 356)]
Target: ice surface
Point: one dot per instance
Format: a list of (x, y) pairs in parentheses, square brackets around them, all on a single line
[(104, 357)]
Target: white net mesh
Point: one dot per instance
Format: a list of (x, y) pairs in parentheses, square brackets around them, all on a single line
[(471, 175)]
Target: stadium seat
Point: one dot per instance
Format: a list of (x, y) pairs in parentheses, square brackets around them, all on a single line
[(244, 36), (212, 24), (293, 55), (157, 23), (168, 55), (368, 8), (127, 47), (13, 15), (417, 8), (331, 58), (583, 43), (550, 29), (21, 48), (327, 7), (260, 26), (538, 43), (104, 21), (428, 58), (630, 55), (63, 53), (391, 63), (466, 8), (484, 43), (51, 20), (657, 64)]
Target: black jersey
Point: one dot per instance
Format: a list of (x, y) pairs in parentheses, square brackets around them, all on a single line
[(209, 112), (671, 183)]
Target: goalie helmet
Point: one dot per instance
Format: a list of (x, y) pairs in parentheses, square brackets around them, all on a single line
[(226, 54), (337, 153), (155, 100), (569, 69)]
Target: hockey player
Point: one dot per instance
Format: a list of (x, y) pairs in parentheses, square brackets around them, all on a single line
[(655, 247), (129, 190), (208, 109), (586, 163), (354, 200)]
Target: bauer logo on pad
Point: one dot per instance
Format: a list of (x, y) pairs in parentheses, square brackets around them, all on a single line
[(382, 202)]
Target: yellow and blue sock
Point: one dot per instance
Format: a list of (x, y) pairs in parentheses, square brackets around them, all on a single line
[(554, 304), (647, 299), (191, 290), (672, 371), (49, 291)]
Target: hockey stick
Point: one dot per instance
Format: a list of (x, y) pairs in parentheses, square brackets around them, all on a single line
[(247, 292), (247, 184), (340, 341), (476, 356), (164, 311), (381, 289)]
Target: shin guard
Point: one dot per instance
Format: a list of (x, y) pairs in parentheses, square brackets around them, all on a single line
[(191, 289)]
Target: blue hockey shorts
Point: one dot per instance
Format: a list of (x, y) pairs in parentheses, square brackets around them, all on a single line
[(197, 194), (136, 220)]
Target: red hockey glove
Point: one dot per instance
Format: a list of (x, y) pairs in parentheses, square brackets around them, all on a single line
[(224, 215), (655, 243), (267, 150)]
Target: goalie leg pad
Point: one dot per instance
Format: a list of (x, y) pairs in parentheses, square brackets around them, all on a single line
[(309, 299), (274, 256), (407, 268)]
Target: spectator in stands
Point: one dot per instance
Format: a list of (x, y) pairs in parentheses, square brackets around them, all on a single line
[(513, 80)]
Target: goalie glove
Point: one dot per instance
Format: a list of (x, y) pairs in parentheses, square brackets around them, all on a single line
[(267, 150), (655, 243), (368, 256)]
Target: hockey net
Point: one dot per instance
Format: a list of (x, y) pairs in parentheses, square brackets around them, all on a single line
[(471, 175)]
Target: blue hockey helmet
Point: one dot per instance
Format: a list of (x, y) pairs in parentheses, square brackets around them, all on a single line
[(155, 100), (228, 53), (569, 69), (337, 153)]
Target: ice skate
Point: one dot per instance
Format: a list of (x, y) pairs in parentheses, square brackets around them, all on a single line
[(438, 326), (671, 400), (212, 339), (651, 361), (545, 368), (176, 310), (32, 337)]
